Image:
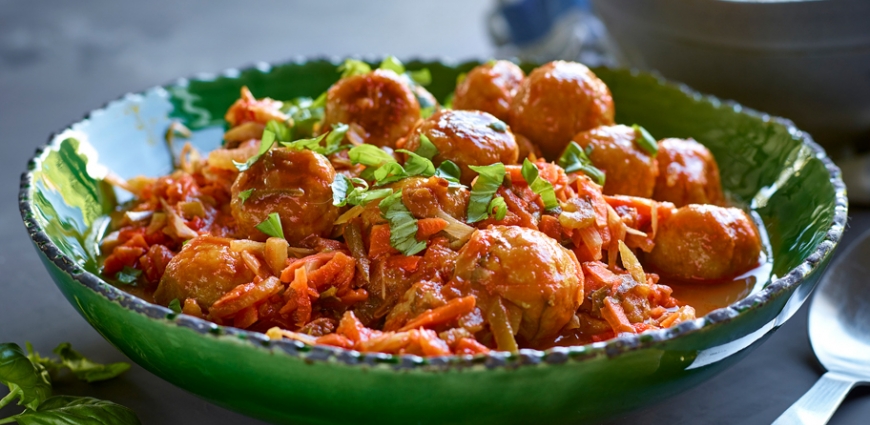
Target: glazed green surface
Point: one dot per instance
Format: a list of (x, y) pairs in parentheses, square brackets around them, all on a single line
[(762, 164)]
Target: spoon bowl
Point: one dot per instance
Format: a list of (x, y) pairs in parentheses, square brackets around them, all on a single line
[(839, 330)]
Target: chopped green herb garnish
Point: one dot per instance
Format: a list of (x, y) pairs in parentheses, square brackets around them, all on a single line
[(266, 143), (497, 208), (422, 76), (369, 155), (319, 102), (448, 102), (575, 159), (306, 115), (403, 225), (417, 165), (245, 194), (334, 138), (281, 130), (175, 305), (489, 178), (340, 188), (271, 226), (645, 140), (128, 275), (393, 64), (389, 173), (312, 144), (461, 77), (427, 111), (426, 149), (498, 126), (538, 185), (352, 67), (448, 170), (344, 192)]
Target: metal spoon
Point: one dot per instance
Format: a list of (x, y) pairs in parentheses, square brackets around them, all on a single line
[(839, 328)]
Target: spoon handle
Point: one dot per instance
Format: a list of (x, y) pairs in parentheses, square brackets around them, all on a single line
[(819, 403)]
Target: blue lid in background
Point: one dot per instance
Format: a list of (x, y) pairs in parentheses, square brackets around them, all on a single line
[(531, 20)]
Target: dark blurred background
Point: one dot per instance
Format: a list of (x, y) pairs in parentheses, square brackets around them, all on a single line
[(60, 59)]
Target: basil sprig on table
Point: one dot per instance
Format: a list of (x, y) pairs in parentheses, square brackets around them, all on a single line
[(29, 381)]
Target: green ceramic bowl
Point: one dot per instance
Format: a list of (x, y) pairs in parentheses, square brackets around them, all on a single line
[(766, 163)]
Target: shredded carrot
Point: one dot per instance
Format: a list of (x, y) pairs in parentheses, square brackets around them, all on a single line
[(335, 340), (551, 227), (405, 262), (454, 309), (431, 345), (615, 317), (245, 318), (354, 296), (518, 207), (243, 296), (352, 328), (299, 300), (426, 227), (336, 272), (470, 346), (379, 241), (314, 261)]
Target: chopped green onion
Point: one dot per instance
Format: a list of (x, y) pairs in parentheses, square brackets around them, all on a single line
[(489, 178), (498, 126), (369, 155), (645, 140), (352, 67), (448, 170), (393, 64), (403, 225), (540, 186), (422, 76), (271, 226), (426, 149), (575, 159), (497, 208), (175, 305), (128, 275), (245, 194), (266, 143)]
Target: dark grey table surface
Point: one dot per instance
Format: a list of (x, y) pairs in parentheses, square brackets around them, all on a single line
[(59, 59)]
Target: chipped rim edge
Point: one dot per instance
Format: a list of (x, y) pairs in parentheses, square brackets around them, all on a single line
[(495, 359)]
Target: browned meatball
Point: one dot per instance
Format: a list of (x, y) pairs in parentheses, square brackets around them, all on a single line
[(525, 282), (466, 138), (706, 242), (204, 270), (688, 174), (629, 170), (424, 198), (293, 183), (490, 88), (557, 101), (379, 102)]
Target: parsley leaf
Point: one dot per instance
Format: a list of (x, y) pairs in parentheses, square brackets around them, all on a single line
[(540, 186), (403, 225), (575, 159), (426, 149), (175, 305), (245, 194), (645, 140), (271, 226), (266, 143), (393, 64), (489, 178), (497, 208), (128, 275), (352, 67)]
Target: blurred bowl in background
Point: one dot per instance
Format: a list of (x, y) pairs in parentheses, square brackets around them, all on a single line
[(808, 61)]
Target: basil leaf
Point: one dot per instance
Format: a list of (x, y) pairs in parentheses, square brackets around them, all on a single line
[(352, 67), (403, 225), (27, 381), (245, 194), (281, 130), (334, 138), (448, 170), (306, 113), (362, 197), (489, 178), (68, 410), (540, 186), (389, 173), (312, 144), (341, 186), (422, 77), (85, 369), (575, 159), (393, 64), (645, 140), (426, 149), (498, 126), (271, 226), (499, 206), (417, 165), (266, 143), (427, 111), (369, 155), (175, 305), (128, 275)]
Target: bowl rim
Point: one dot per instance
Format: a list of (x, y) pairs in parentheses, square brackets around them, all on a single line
[(494, 359)]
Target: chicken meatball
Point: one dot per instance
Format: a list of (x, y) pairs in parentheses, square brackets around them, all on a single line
[(379, 102), (525, 282), (688, 174), (489, 88), (628, 169), (204, 270), (293, 183), (557, 101), (706, 242), (466, 138)]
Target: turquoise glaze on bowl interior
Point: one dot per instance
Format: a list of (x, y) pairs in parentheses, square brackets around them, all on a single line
[(765, 162)]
